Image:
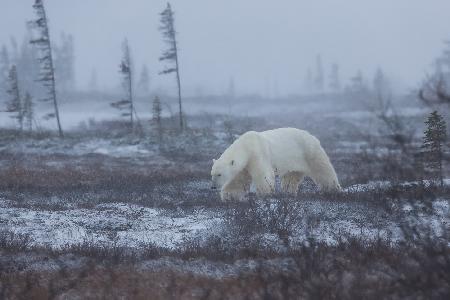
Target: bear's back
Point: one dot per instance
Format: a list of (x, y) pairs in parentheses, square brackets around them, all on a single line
[(280, 142), (288, 137), (289, 147)]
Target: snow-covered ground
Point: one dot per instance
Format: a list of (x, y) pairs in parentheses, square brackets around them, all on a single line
[(122, 224), (80, 147), (135, 226)]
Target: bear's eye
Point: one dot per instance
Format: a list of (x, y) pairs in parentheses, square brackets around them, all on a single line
[(218, 175)]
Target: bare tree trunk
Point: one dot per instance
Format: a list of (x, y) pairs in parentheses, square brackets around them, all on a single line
[(179, 86), (169, 35), (52, 74), (55, 104), (130, 93)]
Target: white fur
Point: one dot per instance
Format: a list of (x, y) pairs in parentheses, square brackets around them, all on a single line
[(255, 157)]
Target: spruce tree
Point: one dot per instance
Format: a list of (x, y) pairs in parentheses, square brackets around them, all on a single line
[(126, 104), (381, 86), (28, 112), (319, 80), (167, 29), (144, 81), (14, 105), (433, 145), (4, 71), (335, 82), (47, 71), (358, 84), (156, 116), (309, 81)]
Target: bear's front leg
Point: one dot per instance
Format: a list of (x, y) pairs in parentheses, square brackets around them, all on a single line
[(236, 189), (265, 184), (228, 194)]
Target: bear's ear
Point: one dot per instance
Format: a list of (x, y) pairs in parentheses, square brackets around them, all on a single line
[(232, 162)]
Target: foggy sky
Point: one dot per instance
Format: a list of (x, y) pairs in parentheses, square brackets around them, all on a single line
[(266, 46)]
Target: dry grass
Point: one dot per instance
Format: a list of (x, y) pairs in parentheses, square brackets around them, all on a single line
[(351, 270)]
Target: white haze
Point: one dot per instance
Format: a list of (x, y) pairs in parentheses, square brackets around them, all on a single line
[(265, 45)]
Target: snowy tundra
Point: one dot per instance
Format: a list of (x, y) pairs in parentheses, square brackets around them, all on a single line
[(256, 157)]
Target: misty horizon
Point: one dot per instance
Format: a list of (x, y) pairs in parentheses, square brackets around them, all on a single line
[(263, 47)]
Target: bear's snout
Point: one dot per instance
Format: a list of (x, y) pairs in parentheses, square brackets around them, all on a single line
[(214, 183)]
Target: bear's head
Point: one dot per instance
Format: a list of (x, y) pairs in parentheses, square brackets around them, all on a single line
[(225, 169)]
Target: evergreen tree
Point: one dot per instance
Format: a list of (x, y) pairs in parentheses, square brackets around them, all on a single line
[(335, 81), (126, 104), (14, 105), (47, 72), (381, 85), (357, 83), (156, 116), (308, 85), (144, 81), (433, 144), (167, 29), (28, 112), (4, 71), (319, 80)]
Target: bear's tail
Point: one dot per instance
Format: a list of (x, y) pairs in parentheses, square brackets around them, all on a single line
[(322, 171)]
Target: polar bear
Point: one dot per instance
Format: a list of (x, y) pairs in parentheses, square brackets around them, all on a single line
[(256, 157)]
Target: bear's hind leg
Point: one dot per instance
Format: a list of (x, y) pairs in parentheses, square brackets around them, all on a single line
[(322, 172), (290, 182)]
